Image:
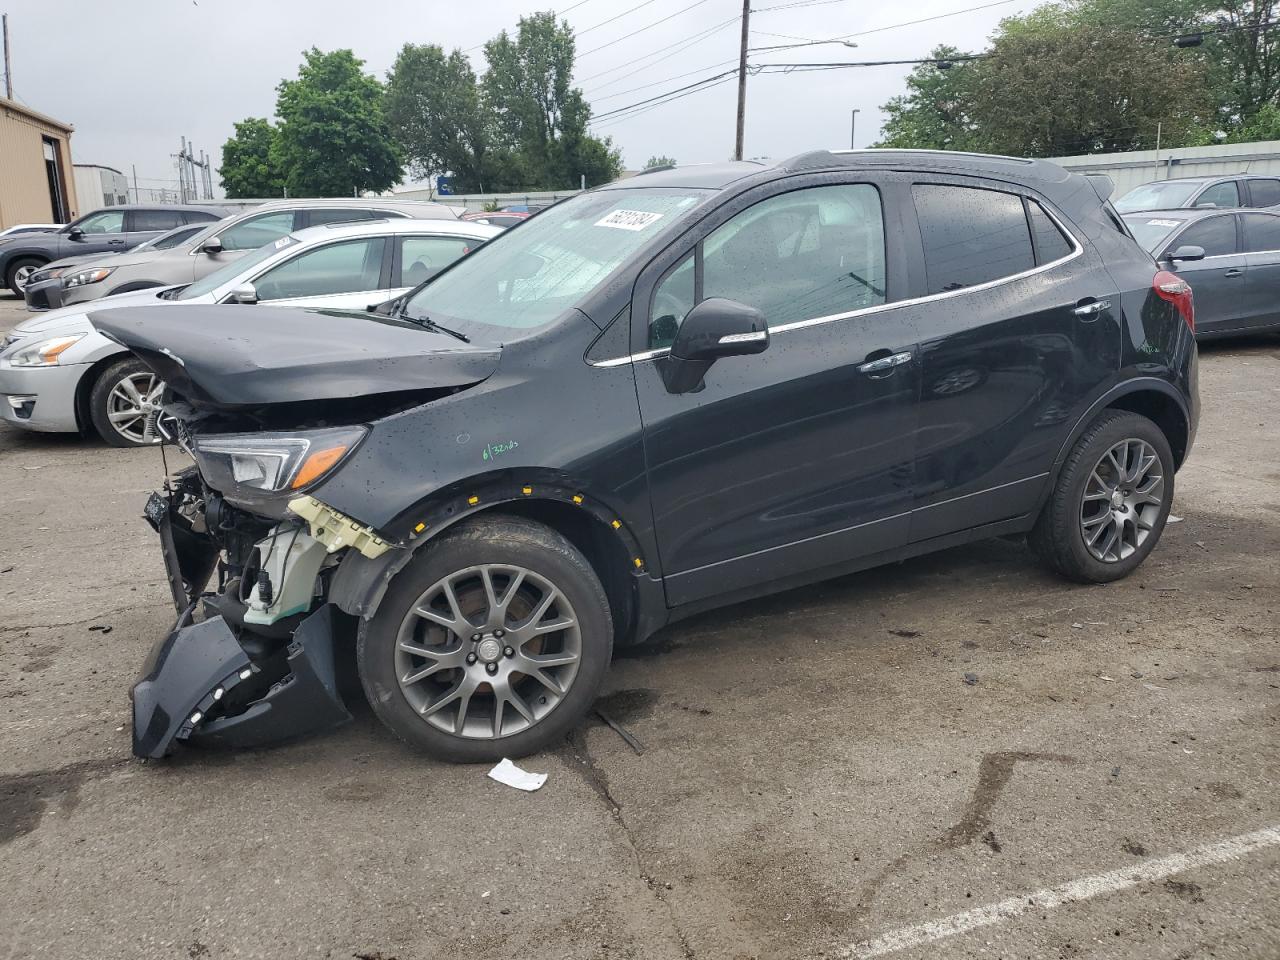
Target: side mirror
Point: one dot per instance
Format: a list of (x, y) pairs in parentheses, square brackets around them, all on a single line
[(1186, 252), (713, 329), (212, 245), (246, 293), (75, 233)]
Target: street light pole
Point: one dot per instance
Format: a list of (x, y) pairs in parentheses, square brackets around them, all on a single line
[(853, 128)]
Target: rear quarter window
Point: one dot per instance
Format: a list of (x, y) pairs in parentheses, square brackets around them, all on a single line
[(970, 235), (1264, 193)]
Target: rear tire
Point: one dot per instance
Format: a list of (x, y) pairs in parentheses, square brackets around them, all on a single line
[(1110, 502), (15, 278), (450, 682), (111, 403)]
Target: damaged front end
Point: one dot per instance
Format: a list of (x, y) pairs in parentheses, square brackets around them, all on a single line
[(251, 659)]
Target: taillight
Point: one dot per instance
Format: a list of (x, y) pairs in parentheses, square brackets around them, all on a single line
[(1172, 288)]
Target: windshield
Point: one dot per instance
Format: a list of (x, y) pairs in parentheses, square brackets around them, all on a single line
[(229, 271), (1151, 232), (1169, 195), (529, 276)]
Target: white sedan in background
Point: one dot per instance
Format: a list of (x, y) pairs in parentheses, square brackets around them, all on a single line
[(59, 374)]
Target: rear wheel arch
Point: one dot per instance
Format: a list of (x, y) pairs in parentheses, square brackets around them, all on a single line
[(1155, 399)]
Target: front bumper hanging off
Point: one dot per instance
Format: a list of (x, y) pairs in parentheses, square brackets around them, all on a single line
[(191, 675)]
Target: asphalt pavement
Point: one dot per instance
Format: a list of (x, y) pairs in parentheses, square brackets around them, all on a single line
[(957, 756)]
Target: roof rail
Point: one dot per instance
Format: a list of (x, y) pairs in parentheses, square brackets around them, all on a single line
[(658, 169)]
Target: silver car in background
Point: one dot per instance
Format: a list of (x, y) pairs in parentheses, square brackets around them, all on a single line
[(218, 245), (59, 374)]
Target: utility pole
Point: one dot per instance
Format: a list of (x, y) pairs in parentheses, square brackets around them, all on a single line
[(137, 198), (742, 80), (8, 70), (853, 128)]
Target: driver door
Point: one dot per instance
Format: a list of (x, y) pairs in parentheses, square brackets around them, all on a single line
[(346, 274), (99, 233), (801, 457)]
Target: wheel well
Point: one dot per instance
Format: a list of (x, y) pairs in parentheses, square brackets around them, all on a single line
[(1163, 411), (603, 549), (134, 285), (85, 387)]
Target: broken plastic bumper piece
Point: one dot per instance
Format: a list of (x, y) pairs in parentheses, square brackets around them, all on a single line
[(336, 530), (193, 675)]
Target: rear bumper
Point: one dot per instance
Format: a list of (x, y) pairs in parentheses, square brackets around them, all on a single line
[(40, 398)]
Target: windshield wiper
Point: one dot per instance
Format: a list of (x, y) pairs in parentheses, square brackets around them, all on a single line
[(428, 324)]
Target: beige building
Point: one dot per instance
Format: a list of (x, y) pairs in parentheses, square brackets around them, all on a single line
[(36, 182)]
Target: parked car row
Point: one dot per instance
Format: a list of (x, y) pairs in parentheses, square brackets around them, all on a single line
[(58, 373), (649, 400)]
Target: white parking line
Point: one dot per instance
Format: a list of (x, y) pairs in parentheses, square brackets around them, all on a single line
[(1085, 888)]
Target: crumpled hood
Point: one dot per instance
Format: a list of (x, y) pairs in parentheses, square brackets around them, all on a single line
[(74, 318), (228, 356)]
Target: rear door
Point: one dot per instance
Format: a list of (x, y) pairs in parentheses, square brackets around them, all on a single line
[(419, 258), (1018, 323), (1263, 192), (344, 274), (1262, 280), (798, 458), (1218, 281)]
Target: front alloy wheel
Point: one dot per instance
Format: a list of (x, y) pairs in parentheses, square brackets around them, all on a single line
[(492, 642), (125, 404), (488, 651)]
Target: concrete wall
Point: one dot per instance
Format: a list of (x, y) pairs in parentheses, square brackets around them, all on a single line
[(1129, 170), (24, 185), (481, 201)]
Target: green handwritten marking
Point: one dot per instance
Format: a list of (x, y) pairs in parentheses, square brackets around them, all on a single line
[(494, 450)]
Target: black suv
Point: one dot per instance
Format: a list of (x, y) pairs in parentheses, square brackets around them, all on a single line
[(664, 395), (111, 229)]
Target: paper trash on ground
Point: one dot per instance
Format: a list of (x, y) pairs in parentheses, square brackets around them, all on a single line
[(508, 773)]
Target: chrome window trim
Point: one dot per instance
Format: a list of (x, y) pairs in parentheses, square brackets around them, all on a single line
[(1076, 251)]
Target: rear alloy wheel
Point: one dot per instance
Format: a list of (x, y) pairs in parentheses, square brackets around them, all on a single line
[(20, 272), (491, 643), (1110, 502), (125, 403)]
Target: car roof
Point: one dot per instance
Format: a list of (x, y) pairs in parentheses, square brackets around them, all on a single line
[(1193, 213), (203, 208), (374, 228), (358, 203)]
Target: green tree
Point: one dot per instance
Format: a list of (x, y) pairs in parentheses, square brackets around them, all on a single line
[(662, 161), (539, 118), (334, 139), (433, 107), (249, 168), (934, 113)]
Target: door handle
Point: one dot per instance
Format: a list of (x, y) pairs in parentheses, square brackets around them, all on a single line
[(115, 243), (1091, 310), (1234, 272), (883, 364)]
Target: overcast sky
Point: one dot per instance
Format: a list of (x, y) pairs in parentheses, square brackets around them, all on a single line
[(135, 76)]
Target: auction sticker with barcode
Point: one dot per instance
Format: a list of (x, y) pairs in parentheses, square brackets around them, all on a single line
[(1163, 223), (628, 219)]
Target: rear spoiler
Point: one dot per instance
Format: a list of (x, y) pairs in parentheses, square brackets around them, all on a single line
[(1103, 185)]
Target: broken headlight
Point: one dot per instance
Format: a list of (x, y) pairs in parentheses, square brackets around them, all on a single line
[(246, 467)]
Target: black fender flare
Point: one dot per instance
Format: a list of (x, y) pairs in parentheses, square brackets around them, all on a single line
[(134, 285), (359, 584)]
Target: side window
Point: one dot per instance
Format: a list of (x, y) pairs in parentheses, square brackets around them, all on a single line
[(108, 221), (1265, 193), (1216, 234), (1225, 194), (323, 215), (421, 258), (257, 231), (199, 216), (349, 266), (1049, 242), (810, 253), (175, 238), (970, 236), (151, 220), (1261, 232)]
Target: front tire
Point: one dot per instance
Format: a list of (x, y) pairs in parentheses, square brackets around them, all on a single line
[(492, 642), (15, 277), (122, 401), (1110, 502)]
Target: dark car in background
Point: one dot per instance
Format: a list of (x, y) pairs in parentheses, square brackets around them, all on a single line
[(1239, 190), (109, 230), (662, 396), (1231, 259)]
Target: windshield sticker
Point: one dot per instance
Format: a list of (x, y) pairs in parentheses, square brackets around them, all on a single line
[(1162, 223), (284, 242), (628, 219)]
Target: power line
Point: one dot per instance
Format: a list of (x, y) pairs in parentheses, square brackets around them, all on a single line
[(731, 75), (605, 23), (895, 26), (667, 51), (558, 13), (626, 36)]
